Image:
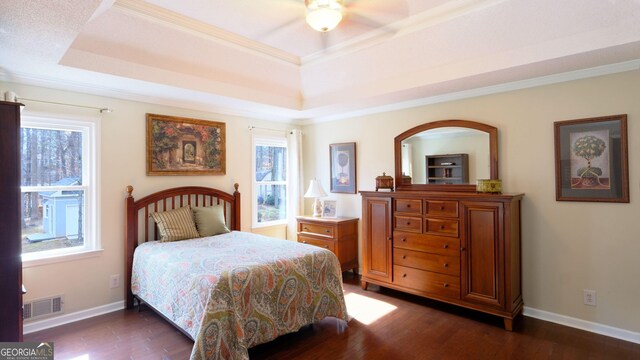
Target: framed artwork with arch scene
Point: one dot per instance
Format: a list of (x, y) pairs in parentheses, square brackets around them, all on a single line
[(183, 146)]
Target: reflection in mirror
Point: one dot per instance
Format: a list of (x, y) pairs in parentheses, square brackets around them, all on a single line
[(430, 147)]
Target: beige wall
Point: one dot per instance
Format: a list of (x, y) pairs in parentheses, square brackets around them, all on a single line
[(85, 282), (567, 246)]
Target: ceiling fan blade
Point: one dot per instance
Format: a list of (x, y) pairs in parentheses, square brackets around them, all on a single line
[(274, 30), (369, 22)]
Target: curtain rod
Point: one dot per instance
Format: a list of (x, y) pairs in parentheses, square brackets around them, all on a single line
[(102, 110), (251, 127)]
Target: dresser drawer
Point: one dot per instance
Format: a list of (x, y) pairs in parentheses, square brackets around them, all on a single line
[(316, 229), (409, 206), (429, 243), (326, 244), (445, 227), (407, 223), (427, 281), (449, 265), (441, 208)]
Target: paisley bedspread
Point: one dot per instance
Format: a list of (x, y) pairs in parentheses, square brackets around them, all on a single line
[(237, 290)]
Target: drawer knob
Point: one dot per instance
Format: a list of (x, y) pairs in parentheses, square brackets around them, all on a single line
[(446, 246), (441, 227), (404, 239), (389, 238), (305, 228), (327, 231), (408, 205), (326, 246), (408, 223), (404, 275), (446, 285), (441, 207), (446, 265), (404, 256), (304, 242)]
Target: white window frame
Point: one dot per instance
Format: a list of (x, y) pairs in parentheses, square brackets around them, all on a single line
[(90, 164), (264, 140)]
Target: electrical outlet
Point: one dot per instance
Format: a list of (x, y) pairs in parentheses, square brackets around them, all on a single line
[(589, 297), (114, 281)]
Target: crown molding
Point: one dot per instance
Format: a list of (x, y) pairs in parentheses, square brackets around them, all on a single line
[(270, 113), (488, 90), (192, 26)]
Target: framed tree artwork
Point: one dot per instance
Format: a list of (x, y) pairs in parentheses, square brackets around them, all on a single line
[(591, 159), (343, 167), (183, 146)]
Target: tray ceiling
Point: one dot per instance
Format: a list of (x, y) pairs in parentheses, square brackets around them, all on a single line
[(259, 58)]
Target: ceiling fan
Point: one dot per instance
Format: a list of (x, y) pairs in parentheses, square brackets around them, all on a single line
[(324, 15)]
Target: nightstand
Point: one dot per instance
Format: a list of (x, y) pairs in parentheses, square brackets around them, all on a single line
[(340, 235)]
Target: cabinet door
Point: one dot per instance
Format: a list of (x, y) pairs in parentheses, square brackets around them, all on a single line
[(483, 253), (377, 239)]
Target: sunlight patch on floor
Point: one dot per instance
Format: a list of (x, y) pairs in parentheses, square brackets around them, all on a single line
[(365, 309)]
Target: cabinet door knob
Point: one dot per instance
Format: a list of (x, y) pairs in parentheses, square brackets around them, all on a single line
[(462, 249), (389, 238), (446, 285), (446, 246)]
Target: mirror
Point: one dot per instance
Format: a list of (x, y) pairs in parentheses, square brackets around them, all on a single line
[(448, 155)]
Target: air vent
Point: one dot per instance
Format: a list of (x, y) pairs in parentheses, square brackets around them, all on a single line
[(42, 308)]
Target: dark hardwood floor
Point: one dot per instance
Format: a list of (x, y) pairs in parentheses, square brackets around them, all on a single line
[(416, 329)]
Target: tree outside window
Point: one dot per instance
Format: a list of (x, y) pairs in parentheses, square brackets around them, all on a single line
[(270, 181)]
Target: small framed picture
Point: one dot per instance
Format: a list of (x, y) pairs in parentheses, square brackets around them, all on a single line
[(591, 159), (329, 208), (342, 160)]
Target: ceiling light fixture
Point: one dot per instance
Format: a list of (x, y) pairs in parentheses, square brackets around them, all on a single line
[(323, 15)]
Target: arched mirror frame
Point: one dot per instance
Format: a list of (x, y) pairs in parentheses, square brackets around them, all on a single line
[(493, 154)]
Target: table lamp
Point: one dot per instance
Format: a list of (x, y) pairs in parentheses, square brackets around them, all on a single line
[(316, 191)]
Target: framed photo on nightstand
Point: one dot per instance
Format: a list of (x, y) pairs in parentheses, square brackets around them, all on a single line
[(329, 208)]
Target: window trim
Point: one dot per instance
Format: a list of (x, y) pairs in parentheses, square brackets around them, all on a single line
[(266, 140), (91, 144)]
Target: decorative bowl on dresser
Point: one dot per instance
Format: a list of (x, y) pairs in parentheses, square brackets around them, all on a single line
[(340, 235), (446, 242)]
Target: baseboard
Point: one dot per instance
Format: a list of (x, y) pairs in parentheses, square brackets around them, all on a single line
[(593, 327), (31, 327)]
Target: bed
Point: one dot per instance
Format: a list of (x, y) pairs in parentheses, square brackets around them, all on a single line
[(227, 292)]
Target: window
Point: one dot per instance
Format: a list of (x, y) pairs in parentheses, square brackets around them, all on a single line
[(58, 187), (269, 181)]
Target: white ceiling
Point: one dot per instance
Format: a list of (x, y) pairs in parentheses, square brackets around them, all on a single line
[(259, 58)]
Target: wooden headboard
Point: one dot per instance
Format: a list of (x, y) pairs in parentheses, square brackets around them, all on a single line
[(140, 228)]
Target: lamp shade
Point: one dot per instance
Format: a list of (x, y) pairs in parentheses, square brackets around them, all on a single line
[(315, 190), (324, 15)]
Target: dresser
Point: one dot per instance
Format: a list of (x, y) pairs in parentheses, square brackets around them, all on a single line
[(461, 248), (340, 235), (10, 229)]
